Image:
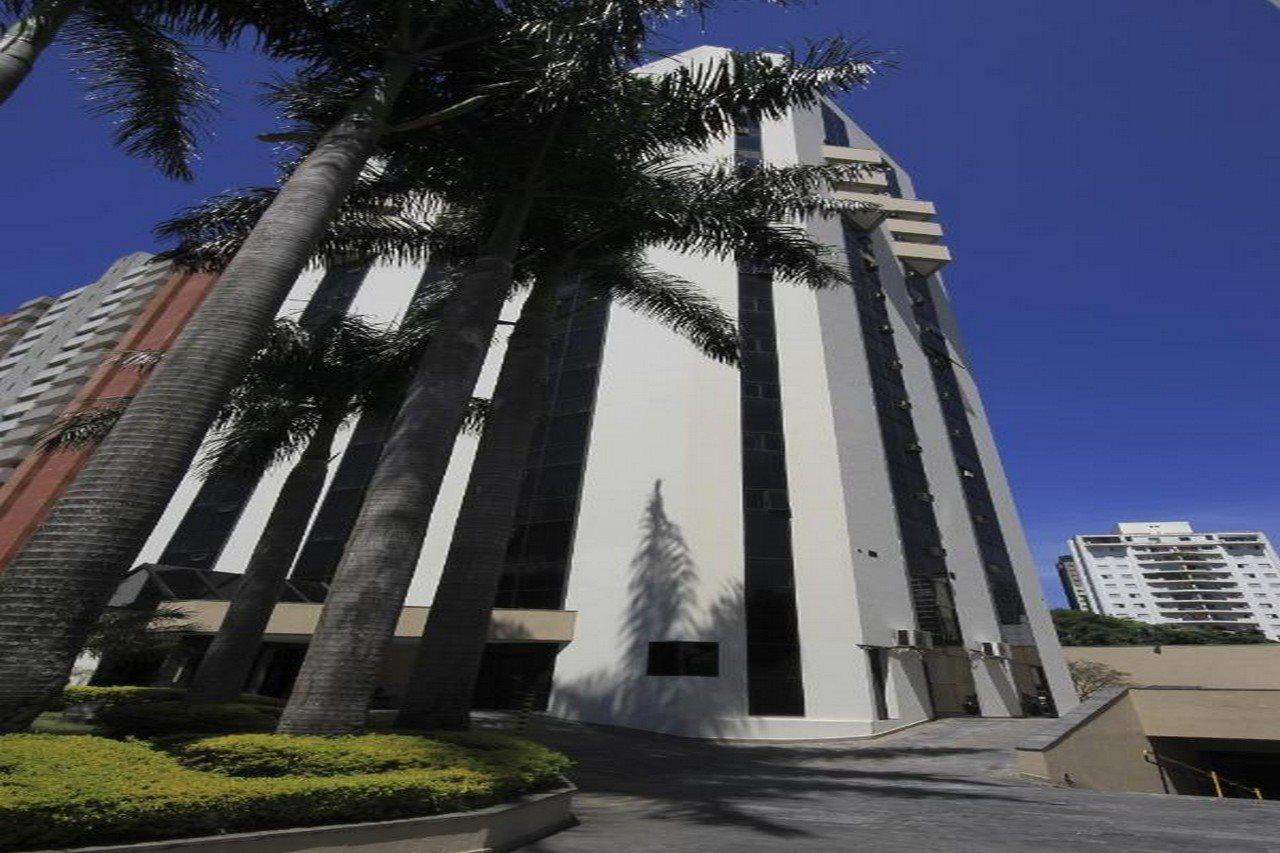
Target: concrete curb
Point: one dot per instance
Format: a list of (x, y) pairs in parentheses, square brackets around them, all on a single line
[(490, 830)]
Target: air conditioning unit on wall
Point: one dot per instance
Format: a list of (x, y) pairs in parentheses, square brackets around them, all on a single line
[(995, 650), (908, 638)]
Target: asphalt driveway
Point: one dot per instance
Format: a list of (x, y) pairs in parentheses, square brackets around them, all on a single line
[(943, 786)]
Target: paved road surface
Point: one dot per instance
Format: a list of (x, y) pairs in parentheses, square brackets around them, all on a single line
[(944, 786)]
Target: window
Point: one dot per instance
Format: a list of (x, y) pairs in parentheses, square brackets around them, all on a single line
[(684, 658), (833, 128)]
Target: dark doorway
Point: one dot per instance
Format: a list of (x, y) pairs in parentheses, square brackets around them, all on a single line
[(515, 675), (280, 663), (879, 659), (951, 687)]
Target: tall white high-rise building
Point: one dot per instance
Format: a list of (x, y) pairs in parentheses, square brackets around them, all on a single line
[(1165, 573), (55, 344), (821, 544)]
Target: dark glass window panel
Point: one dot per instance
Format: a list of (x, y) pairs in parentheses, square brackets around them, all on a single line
[(537, 599), (558, 481), (764, 470), (768, 535), (568, 428), (357, 466), (546, 540), (834, 130), (556, 454), (319, 559), (576, 383), (337, 514), (768, 573), (774, 688), (761, 416), (695, 659), (186, 584), (772, 615), (549, 510)]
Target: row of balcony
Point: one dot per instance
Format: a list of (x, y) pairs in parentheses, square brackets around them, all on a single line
[(914, 238)]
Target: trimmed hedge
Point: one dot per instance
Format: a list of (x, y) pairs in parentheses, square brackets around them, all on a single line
[(158, 719), (277, 755), (132, 694), (60, 790), (122, 695)]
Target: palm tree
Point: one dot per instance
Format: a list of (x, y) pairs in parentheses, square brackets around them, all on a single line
[(301, 387), (577, 140), (135, 68), (298, 392), (602, 245), (368, 67)]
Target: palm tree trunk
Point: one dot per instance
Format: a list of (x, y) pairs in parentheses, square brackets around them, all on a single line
[(453, 642), (55, 588), (339, 675), (26, 38), (226, 666)]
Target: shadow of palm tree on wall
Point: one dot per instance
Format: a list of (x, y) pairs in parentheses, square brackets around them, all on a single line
[(663, 604)]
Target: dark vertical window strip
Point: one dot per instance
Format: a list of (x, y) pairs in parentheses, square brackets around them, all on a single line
[(774, 677), (210, 520), (322, 551), (927, 574), (541, 544), (1001, 580)]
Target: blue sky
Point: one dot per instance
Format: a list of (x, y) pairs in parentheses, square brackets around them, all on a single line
[(1106, 172)]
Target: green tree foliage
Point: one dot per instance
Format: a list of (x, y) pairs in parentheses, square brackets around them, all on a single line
[(1082, 628)]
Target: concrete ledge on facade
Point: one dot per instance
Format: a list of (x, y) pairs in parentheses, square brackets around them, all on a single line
[(497, 828), (296, 621), (1052, 731)]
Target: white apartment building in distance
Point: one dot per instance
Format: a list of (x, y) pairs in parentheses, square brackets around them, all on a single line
[(821, 544), (55, 344), (1165, 573)]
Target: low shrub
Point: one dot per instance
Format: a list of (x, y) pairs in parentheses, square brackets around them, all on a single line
[(158, 719), (120, 695), (296, 755), (130, 694), (60, 790)]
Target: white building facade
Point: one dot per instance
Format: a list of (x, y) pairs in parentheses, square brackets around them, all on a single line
[(821, 544), (1165, 573)]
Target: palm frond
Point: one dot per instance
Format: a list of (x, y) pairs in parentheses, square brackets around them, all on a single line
[(259, 437), (477, 412), (673, 301), (85, 427), (142, 360), (128, 632), (145, 79), (299, 379), (383, 218), (793, 255)]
